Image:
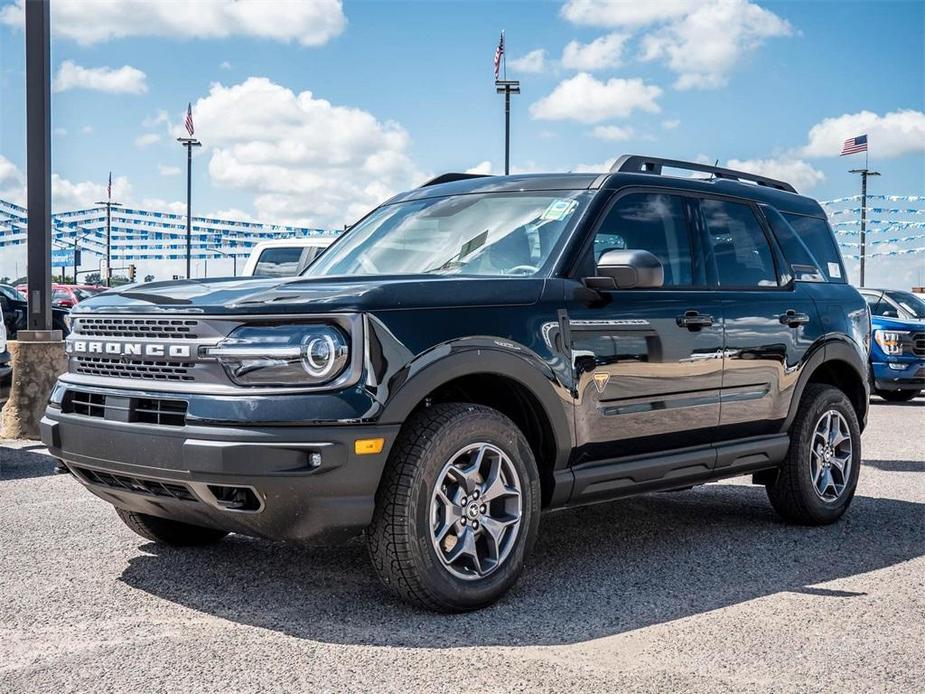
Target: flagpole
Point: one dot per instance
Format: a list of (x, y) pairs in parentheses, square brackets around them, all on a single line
[(189, 143), (506, 87), (109, 205)]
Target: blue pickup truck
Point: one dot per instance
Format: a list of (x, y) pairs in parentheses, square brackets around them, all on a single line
[(897, 351)]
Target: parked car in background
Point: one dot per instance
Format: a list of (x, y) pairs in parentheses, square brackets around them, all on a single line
[(6, 370), (897, 350), (284, 258), (92, 289), (62, 295), (15, 312)]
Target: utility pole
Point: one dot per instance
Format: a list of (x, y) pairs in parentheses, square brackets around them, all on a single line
[(189, 143), (507, 87), (38, 172), (109, 204), (865, 173)]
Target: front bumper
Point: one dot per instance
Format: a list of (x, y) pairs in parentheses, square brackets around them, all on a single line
[(183, 472), (910, 377)]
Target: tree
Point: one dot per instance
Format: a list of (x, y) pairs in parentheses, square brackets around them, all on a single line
[(92, 278)]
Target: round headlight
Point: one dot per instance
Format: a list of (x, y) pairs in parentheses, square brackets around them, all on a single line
[(323, 355)]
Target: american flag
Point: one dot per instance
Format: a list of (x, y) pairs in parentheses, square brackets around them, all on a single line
[(189, 119), (853, 145), (499, 53), (109, 187)]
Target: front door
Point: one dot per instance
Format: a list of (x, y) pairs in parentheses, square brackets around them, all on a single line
[(648, 362)]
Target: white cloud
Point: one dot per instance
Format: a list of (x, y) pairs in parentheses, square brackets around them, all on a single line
[(483, 167), (231, 213), (309, 22), (225, 65), (700, 40), (60, 132), (167, 170), (595, 168), (671, 123), (12, 182), (68, 195), (798, 173), (304, 159), (147, 139), (615, 13), (123, 80), (154, 121), (890, 135), (612, 133), (87, 130), (588, 100), (706, 44), (601, 53), (175, 206), (533, 62)]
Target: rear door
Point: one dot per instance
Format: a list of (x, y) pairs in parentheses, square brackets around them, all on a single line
[(770, 321), (648, 361)]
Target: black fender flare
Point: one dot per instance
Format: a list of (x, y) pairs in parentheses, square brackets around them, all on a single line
[(428, 372), (835, 348)]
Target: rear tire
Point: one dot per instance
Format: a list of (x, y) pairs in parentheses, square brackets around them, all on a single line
[(899, 395), (457, 509), (817, 480), (169, 532)]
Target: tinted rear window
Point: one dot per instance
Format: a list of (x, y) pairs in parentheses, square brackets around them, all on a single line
[(278, 262), (817, 236)]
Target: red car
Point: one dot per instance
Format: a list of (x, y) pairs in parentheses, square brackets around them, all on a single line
[(62, 295)]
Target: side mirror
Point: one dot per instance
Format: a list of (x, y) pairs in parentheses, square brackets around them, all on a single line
[(630, 269)]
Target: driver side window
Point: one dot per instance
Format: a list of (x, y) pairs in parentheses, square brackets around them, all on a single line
[(652, 222)]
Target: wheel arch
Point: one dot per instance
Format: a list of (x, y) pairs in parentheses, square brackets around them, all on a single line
[(521, 386)]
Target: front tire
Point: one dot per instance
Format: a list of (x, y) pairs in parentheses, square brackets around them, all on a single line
[(899, 395), (169, 532), (457, 510), (817, 480)]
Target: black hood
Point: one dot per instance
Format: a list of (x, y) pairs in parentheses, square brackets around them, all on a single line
[(236, 295)]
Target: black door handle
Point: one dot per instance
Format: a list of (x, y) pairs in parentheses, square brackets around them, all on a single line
[(694, 320), (793, 319)]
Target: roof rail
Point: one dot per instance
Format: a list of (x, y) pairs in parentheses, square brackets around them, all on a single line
[(634, 163), (450, 177)]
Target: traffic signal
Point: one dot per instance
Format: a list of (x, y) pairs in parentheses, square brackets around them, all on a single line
[(131, 272)]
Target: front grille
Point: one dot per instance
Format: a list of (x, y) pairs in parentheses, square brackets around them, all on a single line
[(136, 485), (918, 344), (124, 409), (154, 328), (86, 404), (156, 411), (149, 370)]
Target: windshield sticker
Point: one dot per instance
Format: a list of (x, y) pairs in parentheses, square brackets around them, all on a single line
[(558, 210), (834, 270)]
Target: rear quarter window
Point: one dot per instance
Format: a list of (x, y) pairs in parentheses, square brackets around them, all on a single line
[(817, 236)]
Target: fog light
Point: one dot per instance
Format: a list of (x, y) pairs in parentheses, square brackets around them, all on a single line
[(897, 367), (368, 446)]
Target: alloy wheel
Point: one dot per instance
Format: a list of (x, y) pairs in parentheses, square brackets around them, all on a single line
[(475, 511), (831, 456)]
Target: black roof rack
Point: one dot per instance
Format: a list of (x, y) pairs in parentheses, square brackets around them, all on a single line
[(634, 163), (450, 177)]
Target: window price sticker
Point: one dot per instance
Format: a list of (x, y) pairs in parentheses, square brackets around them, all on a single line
[(558, 210)]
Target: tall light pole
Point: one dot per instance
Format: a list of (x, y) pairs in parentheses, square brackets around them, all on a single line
[(507, 87), (109, 204), (189, 143), (865, 173)]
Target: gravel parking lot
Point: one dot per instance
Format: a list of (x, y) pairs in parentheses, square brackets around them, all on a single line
[(699, 590)]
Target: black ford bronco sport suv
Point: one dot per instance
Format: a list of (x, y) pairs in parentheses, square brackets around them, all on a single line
[(472, 353)]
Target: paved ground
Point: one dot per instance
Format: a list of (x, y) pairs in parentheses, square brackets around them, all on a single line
[(701, 590)]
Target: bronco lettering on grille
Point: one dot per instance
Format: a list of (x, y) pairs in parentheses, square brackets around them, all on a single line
[(139, 349)]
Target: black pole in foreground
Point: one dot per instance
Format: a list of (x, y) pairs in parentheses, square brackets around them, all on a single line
[(189, 143), (38, 169), (865, 173), (507, 87)]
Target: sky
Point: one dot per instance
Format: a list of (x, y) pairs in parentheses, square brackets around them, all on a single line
[(311, 113)]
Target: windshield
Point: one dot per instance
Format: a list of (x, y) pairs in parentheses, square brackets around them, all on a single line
[(493, 234), (11, 293), (910, 302)]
